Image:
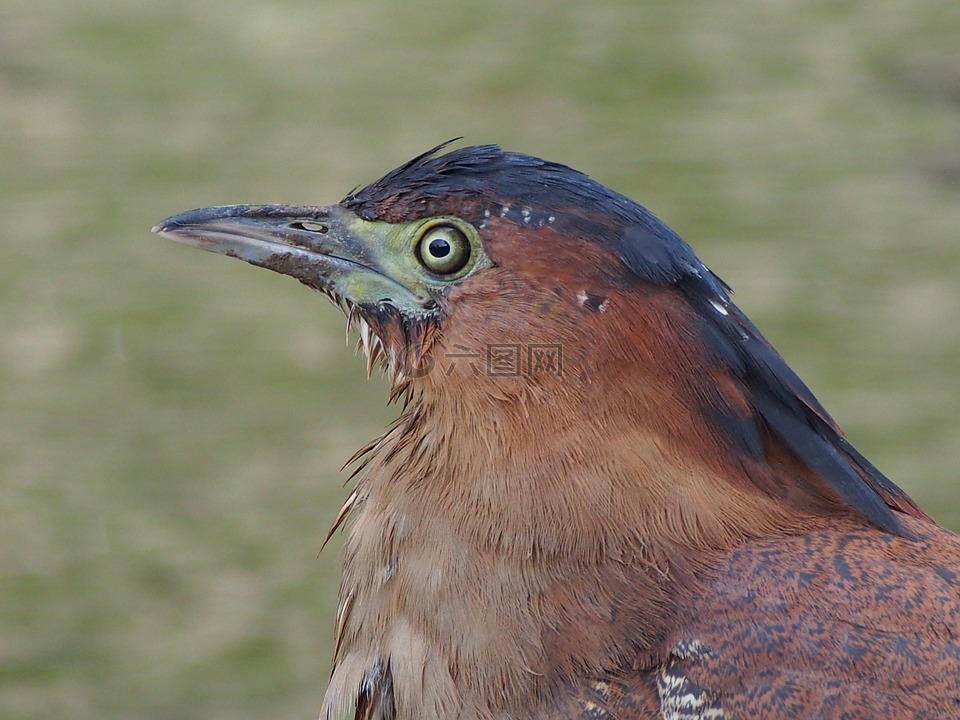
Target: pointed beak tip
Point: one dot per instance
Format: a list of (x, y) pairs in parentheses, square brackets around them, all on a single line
[(169, 224), (196, 218)]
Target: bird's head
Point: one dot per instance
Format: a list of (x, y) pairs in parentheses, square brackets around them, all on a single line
[(521, 260), (522, 288), (476, 261)]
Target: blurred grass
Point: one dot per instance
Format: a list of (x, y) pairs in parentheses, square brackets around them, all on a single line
[(172, 424)]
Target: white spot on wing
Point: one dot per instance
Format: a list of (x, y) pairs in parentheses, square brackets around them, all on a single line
[(719, 308), (680, 697)]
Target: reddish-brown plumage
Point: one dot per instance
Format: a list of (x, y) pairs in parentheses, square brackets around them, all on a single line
[(559, 530), (607, 497)]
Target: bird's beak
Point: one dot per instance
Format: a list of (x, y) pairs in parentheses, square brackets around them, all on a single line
[(327, 248)]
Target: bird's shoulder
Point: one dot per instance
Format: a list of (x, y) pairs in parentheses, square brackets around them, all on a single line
[(842, 622)]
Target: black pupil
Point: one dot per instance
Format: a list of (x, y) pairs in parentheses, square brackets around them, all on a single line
[(439, 248)]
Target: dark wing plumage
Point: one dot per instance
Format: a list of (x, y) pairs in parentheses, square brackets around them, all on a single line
[(789, 410), (783, 403)]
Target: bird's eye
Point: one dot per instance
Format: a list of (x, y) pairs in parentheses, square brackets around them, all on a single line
[(444, 249)]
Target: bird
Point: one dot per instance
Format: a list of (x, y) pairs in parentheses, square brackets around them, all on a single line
[(605, 496)]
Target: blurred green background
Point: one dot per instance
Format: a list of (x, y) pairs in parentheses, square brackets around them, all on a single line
[(173, 423)]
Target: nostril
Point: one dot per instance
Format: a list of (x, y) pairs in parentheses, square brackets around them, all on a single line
[(314, 227)]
